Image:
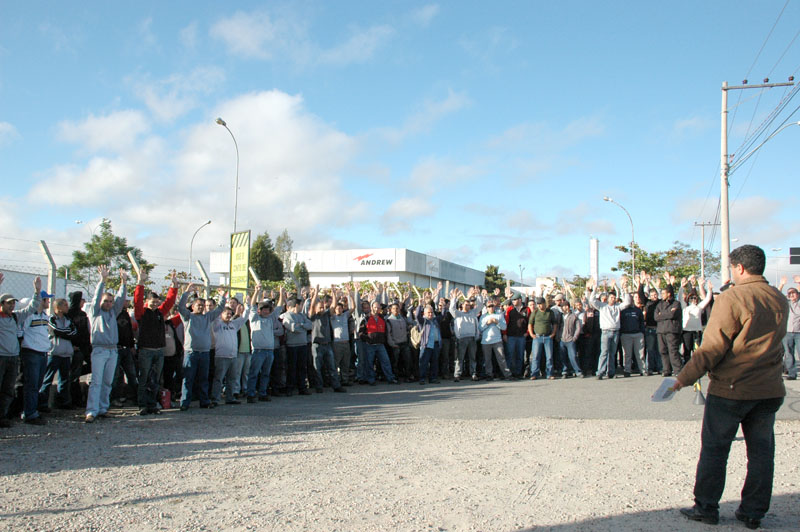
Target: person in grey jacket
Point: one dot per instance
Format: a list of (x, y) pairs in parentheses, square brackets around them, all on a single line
[(297, 327), (264, 327), (570, 332), (102, 313), (492, 325), (397, 331), (466, 329), (197, 346), (9, 344)]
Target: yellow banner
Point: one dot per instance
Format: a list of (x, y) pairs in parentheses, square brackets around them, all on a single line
[(240, 260)]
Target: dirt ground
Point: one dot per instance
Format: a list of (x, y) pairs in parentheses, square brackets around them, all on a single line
[(455, 456)]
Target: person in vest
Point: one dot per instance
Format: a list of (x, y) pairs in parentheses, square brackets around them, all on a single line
[(102, 313), (9, 344), (151, 316)]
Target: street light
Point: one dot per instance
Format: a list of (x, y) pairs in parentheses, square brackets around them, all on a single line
[(191, 245), (633, 238), (236, 191), (521, 269)]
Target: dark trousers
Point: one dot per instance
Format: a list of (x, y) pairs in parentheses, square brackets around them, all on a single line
[(9, 367), (429, 362), (689, 339), (173, 374), (297, 366), (33, 367), (669, 347), (126, 367), (56, 366), (446, 358), (721, 421)]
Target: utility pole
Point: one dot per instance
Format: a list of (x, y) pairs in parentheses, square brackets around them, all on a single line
[(725, 233), (702, 227)]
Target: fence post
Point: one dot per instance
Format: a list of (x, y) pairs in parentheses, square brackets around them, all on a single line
[(51, 272), (204, 275)]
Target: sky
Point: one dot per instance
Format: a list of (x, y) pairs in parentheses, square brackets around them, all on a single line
[(478, 132)]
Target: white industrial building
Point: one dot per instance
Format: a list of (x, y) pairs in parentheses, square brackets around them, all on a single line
[(326, 267)]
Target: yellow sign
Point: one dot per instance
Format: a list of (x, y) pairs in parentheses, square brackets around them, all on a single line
[(240, 260)]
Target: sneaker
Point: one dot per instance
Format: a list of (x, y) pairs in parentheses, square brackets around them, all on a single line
[(456, 379), (749, 522), (789, 378), (38, 420), (184, 408), (694, 514), (89, 418), (599, 377), (626, 374), (475, 378), (393, 381), (214, 404), (342, 390)]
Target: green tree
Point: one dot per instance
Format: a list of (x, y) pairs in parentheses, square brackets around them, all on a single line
[(680, 260), (493, 278), (301, 272), (283, 248), (264, 260), (103, 248)]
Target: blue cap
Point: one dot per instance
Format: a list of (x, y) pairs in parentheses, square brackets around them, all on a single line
[(44, 295)]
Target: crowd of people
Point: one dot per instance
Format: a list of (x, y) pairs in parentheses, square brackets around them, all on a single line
[(167, 352)]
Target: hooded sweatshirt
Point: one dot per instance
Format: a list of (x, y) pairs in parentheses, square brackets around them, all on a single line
[(197, 327), (62, 331), (104, 332), (79, 318)]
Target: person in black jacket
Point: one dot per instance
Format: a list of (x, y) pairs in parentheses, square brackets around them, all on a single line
[(669, 315), (126, 363), (650, 326), (82, 344)]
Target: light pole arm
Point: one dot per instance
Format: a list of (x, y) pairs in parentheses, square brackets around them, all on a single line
[(191, 247), (633, 237)]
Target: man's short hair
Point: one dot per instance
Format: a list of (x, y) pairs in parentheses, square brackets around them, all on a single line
[(751, 257), (291, 303), (153, 295), (792, 291)]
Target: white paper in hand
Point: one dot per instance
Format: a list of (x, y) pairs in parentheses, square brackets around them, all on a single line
[(665, 391)]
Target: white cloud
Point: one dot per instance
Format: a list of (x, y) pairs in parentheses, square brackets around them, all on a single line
[(188, 35), (115, 132), (260, 35), (7, 133), (425, 14), (358, 48), (172, 97), (431, 112), (99, 182), (146, 35), (402, 214), (431, 174)]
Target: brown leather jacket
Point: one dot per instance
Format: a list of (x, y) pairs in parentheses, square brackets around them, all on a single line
[(741, 349)]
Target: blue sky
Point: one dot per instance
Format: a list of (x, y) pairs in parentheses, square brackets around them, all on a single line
[(482, 133)]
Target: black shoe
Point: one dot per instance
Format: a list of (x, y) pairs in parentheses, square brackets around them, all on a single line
[(305, 392), (340, 390), (209, 405), (749, 522), (456, 379), (422, 382), (393, 381), (155, 410), (252, 399), (264, 398), (599, 377), (787, 378), (144, 411), (696, 515), (665, 374), (38, 420), (184, 408), (626, 374), (233, 402), (435, 381)]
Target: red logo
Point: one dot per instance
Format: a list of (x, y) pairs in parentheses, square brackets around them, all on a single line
[(362, 257)]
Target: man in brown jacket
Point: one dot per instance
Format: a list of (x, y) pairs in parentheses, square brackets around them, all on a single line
[(743, 355)]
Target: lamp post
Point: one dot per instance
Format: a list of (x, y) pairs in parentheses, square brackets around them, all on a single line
[(236, 191), (191, 246), (633, 238), (521, 269)]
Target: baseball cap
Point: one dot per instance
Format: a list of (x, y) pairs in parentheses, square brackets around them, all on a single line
[(7, 297), (44, 295), (540, 301)]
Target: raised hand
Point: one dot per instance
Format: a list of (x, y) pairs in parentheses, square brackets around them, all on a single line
[(37, 283), (103, 271), (141, 276), (1, 278), (174, 279), (190, 288), (123, 275), (796, 279), (222, 293), (783, 280), (684, 282)]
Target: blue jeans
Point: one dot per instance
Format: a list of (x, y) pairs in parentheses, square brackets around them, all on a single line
[(33, 366), (361, 361), (539, 343), (608, 353), (791, 347), (721, 421), (60, 366), (104, 366), (260, 362), (569, 357), (324, 359), (383, 359), (515, 347), (429, 362), (195, 365), (151, 363), (653, 357), (224, 370)]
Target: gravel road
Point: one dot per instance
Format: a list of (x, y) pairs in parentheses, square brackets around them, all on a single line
[(560, 455)]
